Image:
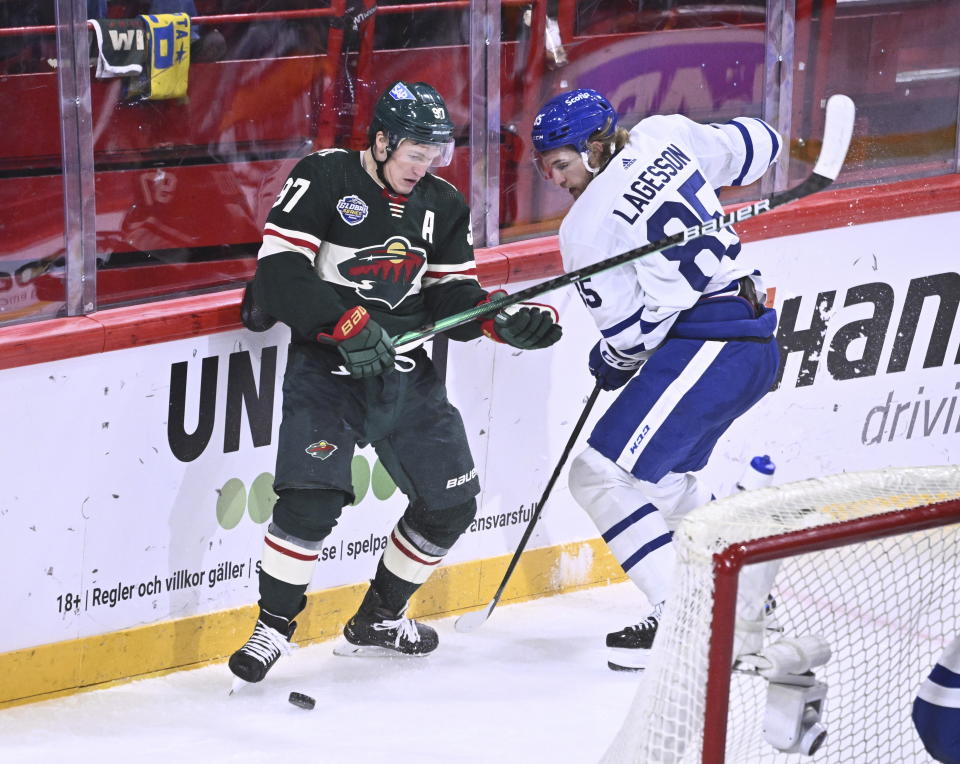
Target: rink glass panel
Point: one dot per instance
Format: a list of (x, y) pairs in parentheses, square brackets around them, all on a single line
[(33, 247), (167, 198), (900, 63)]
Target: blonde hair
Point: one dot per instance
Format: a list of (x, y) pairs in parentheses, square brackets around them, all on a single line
[(612, 142)]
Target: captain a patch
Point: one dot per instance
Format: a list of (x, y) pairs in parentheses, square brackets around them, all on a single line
[(352, 209)]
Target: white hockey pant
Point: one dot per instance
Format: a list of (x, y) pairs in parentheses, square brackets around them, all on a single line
[(635, 517)]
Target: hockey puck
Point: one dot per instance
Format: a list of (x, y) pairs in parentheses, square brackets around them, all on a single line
[(302, 701)]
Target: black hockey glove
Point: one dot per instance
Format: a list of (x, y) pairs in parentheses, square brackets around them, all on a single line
[(366, 349), (526, 325)]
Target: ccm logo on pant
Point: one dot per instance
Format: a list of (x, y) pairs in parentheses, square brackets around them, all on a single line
[(454, 482)]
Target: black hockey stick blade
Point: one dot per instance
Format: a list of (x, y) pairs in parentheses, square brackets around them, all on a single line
[(837, 130), (471, 621)]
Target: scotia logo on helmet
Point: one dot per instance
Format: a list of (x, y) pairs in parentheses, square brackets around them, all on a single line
[(581, 95), (321, 449), (386, 272)]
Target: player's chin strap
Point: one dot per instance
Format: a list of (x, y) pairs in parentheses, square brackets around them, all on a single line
[(383, 177), (585, 158), (380, 173)]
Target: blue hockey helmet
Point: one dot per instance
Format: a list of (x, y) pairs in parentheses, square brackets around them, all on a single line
[(569, 119)]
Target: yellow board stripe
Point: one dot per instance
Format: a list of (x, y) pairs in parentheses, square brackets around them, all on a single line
[(63, 668)]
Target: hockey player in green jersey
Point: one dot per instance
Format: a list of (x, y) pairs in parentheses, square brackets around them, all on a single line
[(359, 247)]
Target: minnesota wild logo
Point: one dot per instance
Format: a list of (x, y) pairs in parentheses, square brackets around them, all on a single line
[(321, 449), (386, 272)]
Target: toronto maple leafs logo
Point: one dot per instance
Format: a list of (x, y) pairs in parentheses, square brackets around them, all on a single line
[(386, 272), (321, 449)]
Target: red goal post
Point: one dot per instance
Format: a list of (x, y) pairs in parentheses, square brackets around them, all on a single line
[(868, 562)]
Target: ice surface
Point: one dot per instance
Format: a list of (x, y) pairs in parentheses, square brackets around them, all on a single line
[(532, 685)]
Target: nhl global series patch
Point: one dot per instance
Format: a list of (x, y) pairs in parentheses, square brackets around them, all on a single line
[(352, 209), (321, 449)]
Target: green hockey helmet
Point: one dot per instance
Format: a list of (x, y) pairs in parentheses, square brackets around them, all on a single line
[(416, 112)]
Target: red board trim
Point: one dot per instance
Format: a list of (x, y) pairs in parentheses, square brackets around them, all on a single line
[(184, 317)]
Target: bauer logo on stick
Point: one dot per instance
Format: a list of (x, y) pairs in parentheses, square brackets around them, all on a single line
[(712, 226)]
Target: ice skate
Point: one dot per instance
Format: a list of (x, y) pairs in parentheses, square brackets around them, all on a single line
[(376, 631), (629, 648), (270, 639)]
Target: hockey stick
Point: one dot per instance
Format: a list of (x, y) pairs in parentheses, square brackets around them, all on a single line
[(472, 621), (838, 127)]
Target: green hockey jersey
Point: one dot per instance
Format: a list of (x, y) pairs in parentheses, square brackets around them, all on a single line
[(407, 260)]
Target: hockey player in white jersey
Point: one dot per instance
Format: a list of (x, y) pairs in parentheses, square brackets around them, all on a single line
[(684, 332)]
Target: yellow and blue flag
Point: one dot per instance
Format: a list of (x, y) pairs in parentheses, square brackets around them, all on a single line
[(168, 60)]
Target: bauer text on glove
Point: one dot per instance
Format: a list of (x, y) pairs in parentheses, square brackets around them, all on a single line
[(526, 325), (612, 368), (366, 349)]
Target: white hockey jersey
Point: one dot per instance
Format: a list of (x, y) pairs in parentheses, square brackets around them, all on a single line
[(660, 183)]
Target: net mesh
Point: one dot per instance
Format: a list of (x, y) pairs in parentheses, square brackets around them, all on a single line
[(887, 607)]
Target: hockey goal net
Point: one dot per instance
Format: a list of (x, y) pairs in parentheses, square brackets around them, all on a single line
[(869, 562)]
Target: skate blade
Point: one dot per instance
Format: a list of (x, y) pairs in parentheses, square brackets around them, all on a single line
[(627, 659), (237, 686), (348, 650), (614, 667)]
